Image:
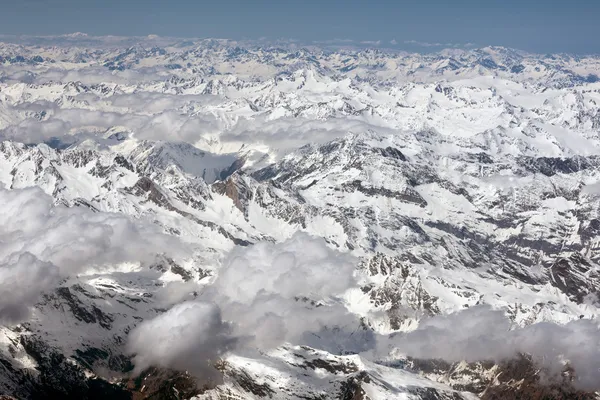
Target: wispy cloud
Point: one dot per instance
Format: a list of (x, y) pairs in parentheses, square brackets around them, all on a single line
[(371, 42), (424, 44), (437, 44), (334, 41)]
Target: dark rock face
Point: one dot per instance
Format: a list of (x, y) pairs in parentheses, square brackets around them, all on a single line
[(232, 188), (409, 195), (79, 158), (352, 389), (550, 166), (392, 152), (237, 164), (250, 386), (163, 384), (90, 356), (589, 229), (90, 315), (145, 186), (123, 162), (164, 264), (521, 379), (243, 189), (576, 277), (57, 378), (516, 378)]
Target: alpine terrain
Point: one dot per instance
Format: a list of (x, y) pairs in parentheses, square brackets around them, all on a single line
[(213, 219)]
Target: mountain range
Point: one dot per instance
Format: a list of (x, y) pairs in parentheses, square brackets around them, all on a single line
[(220, 220)]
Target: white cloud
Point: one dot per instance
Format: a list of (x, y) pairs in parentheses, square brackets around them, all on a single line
[(300, 266), (268, 294), (437, 44), (152, 116), (188, 337), (334, 41), (262, 288), (287, 134), (423, 44), (480, 333), (273, 293), (41, 243), (22, 278), (371, 42)]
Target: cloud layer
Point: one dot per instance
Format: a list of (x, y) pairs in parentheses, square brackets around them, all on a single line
[(190, 336), (264, 295), (480, 333), (270, 294), (40, 244)]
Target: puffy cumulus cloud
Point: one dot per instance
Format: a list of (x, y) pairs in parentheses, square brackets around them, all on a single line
[(22, 278), (300, 266), (480, 333), (467, 331), (190, 336), (40, 244), (68, 237), (267, 294), (272, 293), (279, 292)]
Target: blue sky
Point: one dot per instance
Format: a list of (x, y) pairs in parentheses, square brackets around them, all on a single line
[(539, 26)]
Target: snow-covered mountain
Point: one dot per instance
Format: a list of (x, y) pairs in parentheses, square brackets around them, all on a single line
[(219, 220)]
